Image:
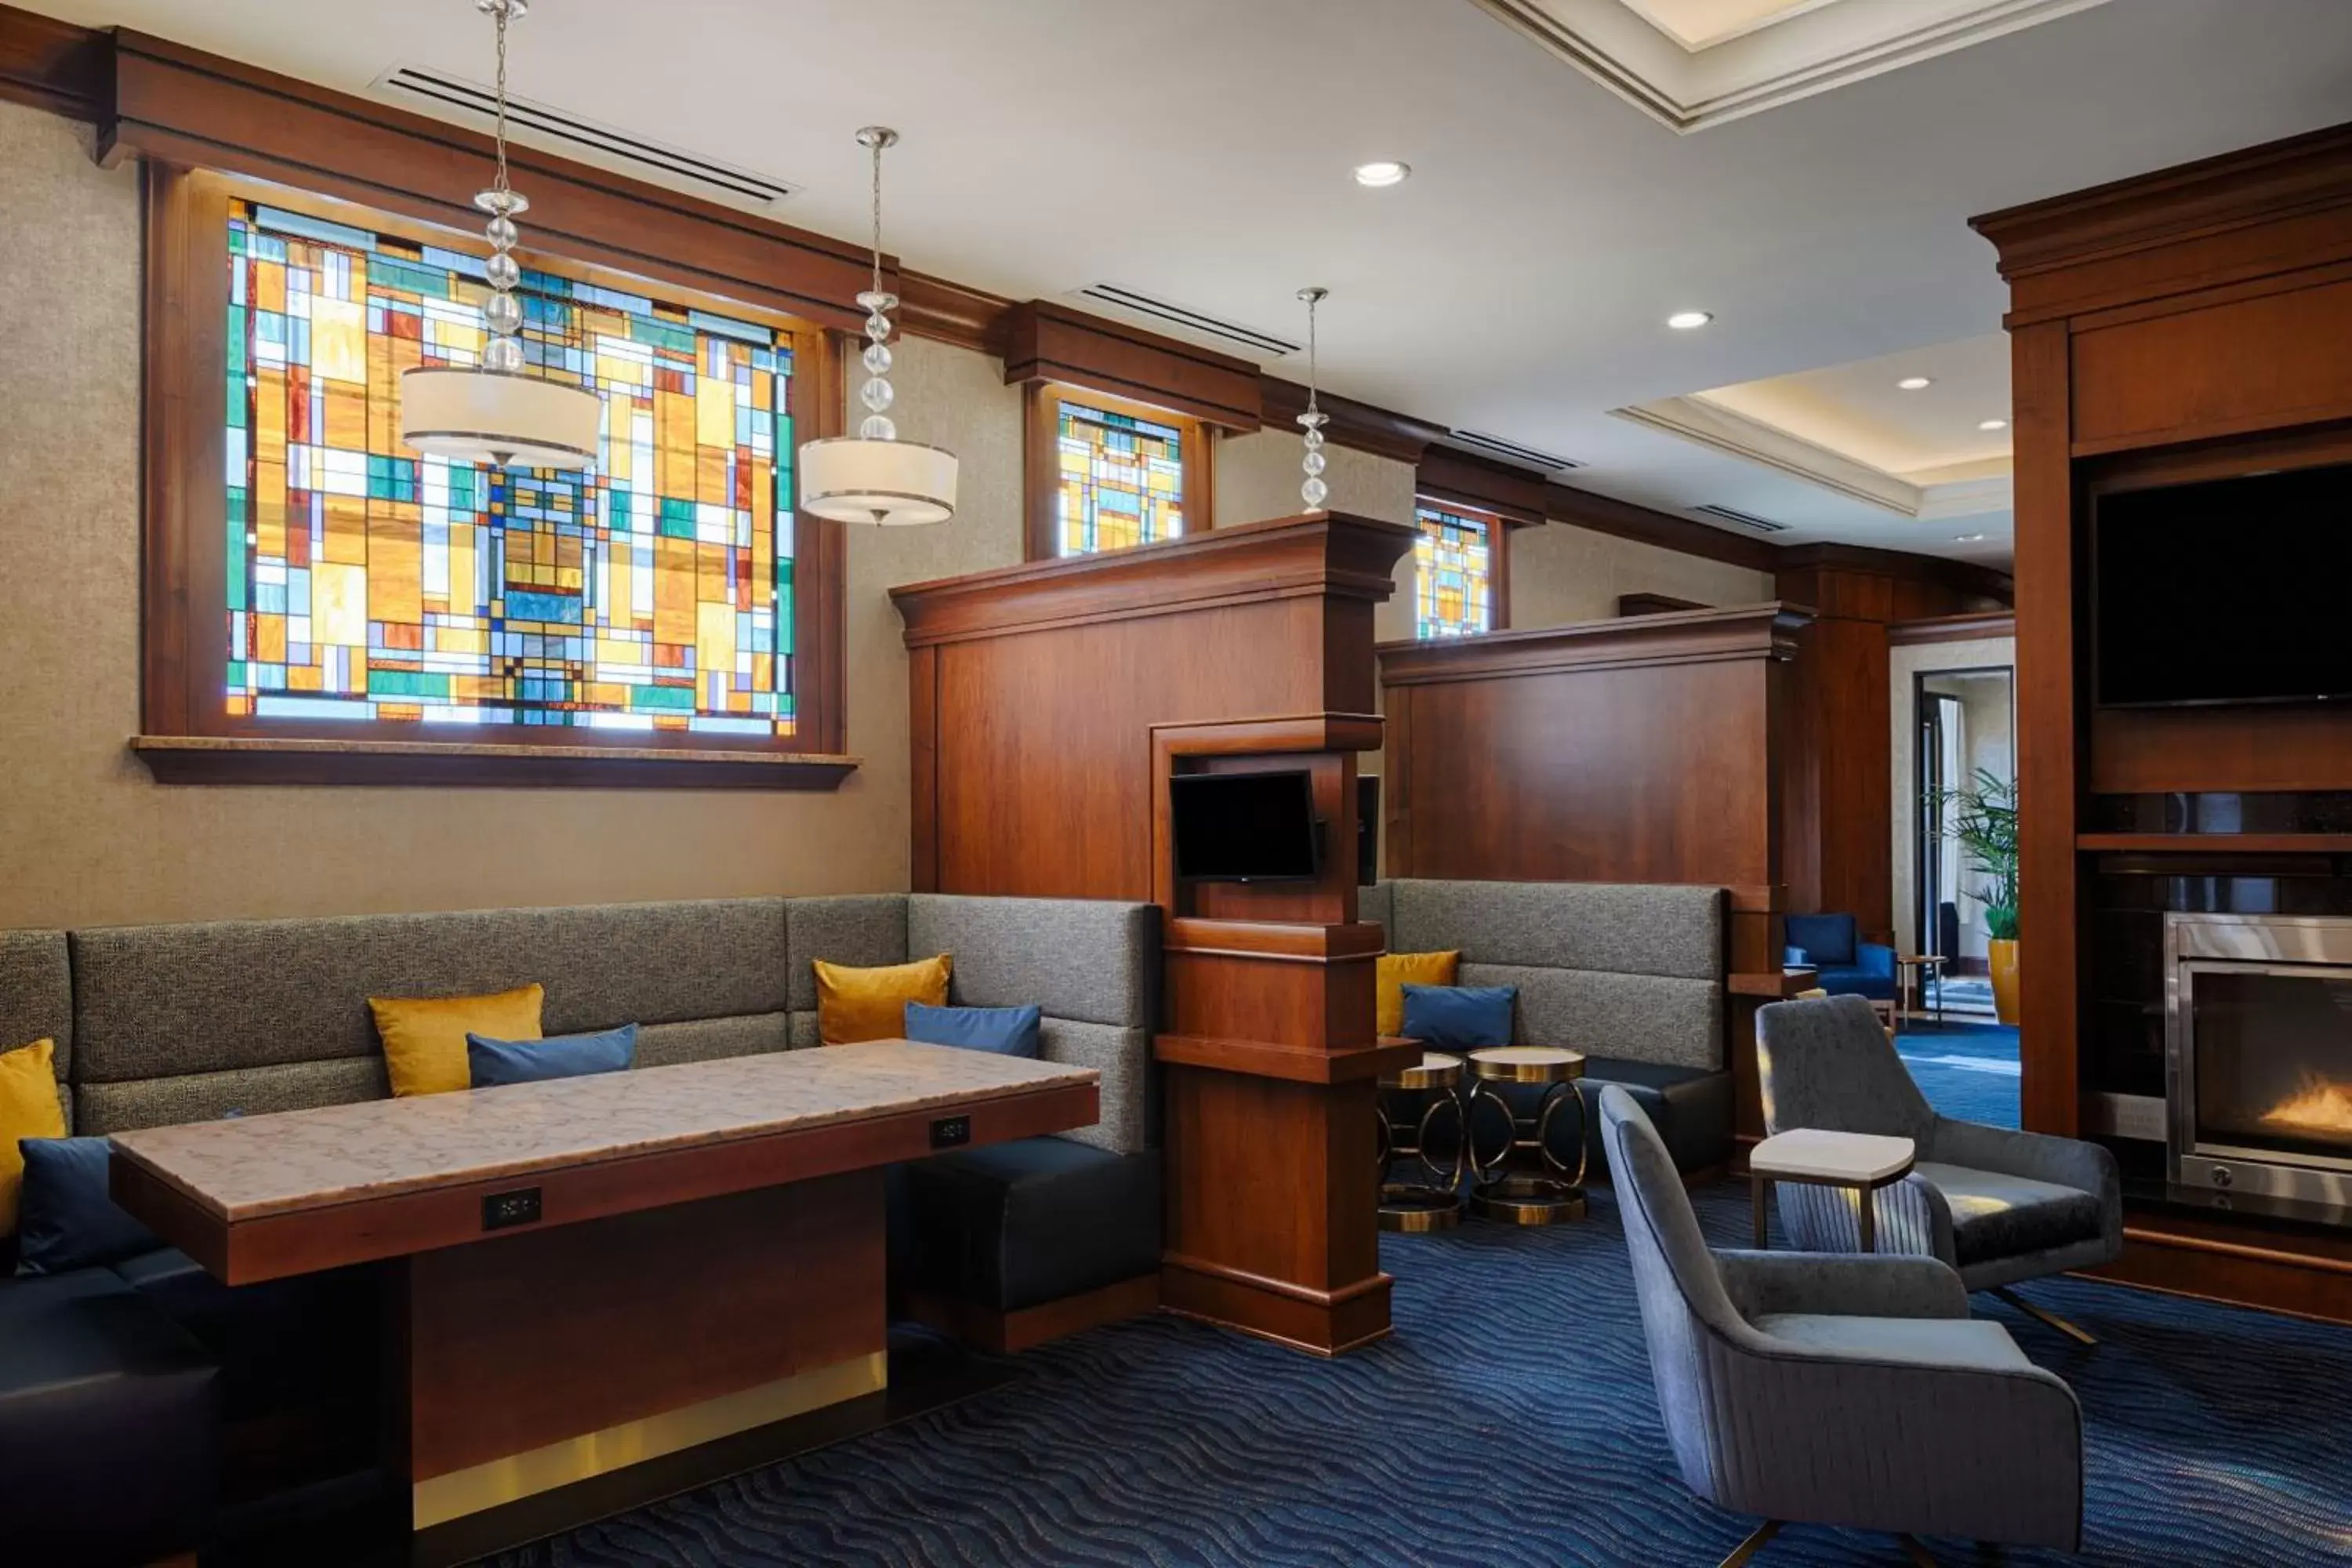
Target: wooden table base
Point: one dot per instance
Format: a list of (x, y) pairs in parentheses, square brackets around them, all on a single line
[(545, 1359)]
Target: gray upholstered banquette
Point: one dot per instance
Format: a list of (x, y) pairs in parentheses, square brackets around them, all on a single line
[(1630, 974), (180, 1022)]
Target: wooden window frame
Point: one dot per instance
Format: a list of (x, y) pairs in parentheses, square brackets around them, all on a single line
[(1499, 549), (189, 735), (1041, 463)]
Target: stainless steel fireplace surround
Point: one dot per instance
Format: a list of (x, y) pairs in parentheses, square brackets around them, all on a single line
[(2258, 1055)]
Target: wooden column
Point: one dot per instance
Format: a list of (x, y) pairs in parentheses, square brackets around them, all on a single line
[(1050, 704)]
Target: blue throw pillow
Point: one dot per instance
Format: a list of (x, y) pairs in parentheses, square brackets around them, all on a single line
[(1459, 1018), (1007, 1031), (65, 1218), (495, 1062)]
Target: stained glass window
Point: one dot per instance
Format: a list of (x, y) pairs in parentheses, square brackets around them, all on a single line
[(365, 582), (1122, 479), (1453, 574)]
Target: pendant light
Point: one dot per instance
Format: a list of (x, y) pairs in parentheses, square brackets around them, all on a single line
[(874, 477), (498, 412), (1313, 491)]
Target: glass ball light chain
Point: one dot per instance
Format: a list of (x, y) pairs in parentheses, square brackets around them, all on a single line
[(877, 393), (1314, 490), (502, 312)]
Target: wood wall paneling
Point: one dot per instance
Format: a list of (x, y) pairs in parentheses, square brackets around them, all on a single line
[(1515, 495), (2175, 326)]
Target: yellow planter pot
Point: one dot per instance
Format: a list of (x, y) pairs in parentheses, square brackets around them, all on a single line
[(2004, 979)]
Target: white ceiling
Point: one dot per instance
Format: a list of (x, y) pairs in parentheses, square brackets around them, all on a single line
[(1862, 411), (1518, 283)]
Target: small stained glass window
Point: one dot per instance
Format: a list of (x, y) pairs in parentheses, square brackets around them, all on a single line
[(1120, 479), (1453, 592), (653, 591)]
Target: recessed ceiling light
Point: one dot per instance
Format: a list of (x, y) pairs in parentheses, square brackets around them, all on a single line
[(1684, 321), (1914, 382), (1992, 424), (1967, 539), (1382, 172)]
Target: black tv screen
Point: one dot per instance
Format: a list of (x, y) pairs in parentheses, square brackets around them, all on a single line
[(1243, 827), (2227, 591)]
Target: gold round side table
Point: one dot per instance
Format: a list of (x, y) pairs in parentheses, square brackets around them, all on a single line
[(1538, 1187), (1436, 1203)]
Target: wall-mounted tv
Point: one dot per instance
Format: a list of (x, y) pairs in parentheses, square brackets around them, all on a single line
[(2236, 590), (1244, 827)]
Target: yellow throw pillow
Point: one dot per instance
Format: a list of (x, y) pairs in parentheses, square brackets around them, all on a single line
[(855, 1004), (1398, 970), (29, 1109), (425, 1036)]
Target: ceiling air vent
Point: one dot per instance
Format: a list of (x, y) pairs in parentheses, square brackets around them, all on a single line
[(1199, 323), (672, 166), (1512, 452), (1746, 520)]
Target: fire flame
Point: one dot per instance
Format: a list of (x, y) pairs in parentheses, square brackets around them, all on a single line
[(2321, 1106)]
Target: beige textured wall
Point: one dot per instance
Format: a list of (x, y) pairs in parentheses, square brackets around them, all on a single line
[(1561, 574), (1905, 665), (88, 838), (1258, 477)]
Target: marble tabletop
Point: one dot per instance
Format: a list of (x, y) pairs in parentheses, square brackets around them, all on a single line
[(1818, 1155), (248, 1167)]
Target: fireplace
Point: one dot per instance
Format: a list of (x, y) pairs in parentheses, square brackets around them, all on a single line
[(2258, 1037)]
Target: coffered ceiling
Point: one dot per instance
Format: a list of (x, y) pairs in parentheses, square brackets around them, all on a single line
[(1518, 283)]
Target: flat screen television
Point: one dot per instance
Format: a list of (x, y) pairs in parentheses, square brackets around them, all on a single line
[(1368, 829), (1244, 827), (2235, 590)]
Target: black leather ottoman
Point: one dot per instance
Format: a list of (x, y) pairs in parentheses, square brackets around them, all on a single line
[(1017, 1225), (107, 1422)]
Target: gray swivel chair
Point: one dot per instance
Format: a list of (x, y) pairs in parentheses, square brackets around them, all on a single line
[(1998, 1204), (1838, 1390)]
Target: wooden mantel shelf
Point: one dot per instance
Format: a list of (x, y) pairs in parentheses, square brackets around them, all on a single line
[(285, 760)]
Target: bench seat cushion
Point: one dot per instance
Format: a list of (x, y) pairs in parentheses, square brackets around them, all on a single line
[(107, 1424), (1017, 1225), (303, 1341), (1691, 1110)]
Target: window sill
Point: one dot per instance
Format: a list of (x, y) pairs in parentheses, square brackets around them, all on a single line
[(282, 759)]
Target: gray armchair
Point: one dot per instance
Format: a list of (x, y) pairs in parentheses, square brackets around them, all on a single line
[(1998, 1204), (1838, 1390)]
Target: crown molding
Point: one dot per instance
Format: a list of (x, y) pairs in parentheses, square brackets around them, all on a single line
[(1735, 435)]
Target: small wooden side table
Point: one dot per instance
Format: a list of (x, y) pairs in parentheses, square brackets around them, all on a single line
[(1863, 1161), (1913, 972)]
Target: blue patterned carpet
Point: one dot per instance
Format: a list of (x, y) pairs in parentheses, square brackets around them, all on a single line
[(1509, 1421), (1966, 1070)]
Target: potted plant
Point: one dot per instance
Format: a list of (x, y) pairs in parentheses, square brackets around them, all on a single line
[(1983, 821)]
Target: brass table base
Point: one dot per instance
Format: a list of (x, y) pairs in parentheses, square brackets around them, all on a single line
[(1529, 1200), (1417, 1208)]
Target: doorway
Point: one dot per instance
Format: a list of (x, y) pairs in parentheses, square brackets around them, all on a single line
[(1964, 727)]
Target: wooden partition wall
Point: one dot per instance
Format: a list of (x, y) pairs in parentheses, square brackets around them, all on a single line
[(1051, 703), (2189, 324), (1648, 749)]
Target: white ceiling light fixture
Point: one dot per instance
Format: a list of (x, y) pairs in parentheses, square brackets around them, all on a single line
[(1313, 491), (874, 477), (1381, 173), (1967, 539), (1689, 321), (1914, 384), (497, 411), (1992, 424)]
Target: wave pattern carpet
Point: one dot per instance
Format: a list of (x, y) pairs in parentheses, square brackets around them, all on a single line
[(1509, 1421), (1966, 1070)]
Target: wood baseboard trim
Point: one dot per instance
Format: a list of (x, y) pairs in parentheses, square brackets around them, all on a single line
[(1009, 1333), (1320, 1323)]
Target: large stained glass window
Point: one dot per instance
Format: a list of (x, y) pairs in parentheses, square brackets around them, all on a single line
[(1453, 593), (652, 591), (1122, 479)]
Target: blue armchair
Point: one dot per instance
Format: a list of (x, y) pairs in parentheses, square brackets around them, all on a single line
[(1998, 1204), (1845, 1391), (1846, 966)]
